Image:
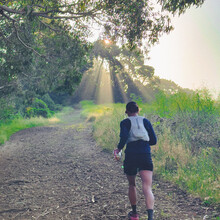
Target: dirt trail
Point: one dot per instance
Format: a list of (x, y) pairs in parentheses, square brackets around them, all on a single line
[(58, 172)]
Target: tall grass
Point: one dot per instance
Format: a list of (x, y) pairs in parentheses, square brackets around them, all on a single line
[(187, 126), (106, 128), (200, 102), (189, 136), (197, 173)]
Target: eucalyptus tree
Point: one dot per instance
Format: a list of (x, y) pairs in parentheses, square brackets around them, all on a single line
[(127, 69), (37, 38)]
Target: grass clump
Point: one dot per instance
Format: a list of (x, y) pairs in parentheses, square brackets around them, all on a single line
[(201, 176), (6, 130), (19, 123), (197, 173)]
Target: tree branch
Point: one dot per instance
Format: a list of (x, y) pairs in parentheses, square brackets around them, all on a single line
[(72, 14), (25, 74), (45, 13), (24, 44), (9, 10), (39, 6), (3, 14), (59, 17), (55, 30), (8, 85)]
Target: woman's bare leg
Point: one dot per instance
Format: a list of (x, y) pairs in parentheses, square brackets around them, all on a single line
[(132, 190), (146, 177)]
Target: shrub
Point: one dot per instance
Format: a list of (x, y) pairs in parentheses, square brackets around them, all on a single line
[(38, 108), (50, 103)]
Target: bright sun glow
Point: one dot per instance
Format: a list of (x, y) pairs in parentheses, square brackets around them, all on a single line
[(107, 41), (97, 83)]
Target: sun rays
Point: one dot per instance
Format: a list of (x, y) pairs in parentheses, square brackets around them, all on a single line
[(116, 75)]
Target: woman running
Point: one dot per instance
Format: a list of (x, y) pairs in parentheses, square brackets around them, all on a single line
[(137, 132)]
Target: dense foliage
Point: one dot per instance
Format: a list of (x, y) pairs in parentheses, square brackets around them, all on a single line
[(128, 20), (25, 75)]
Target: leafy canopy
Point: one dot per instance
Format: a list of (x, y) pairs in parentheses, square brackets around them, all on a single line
[(124, 20)]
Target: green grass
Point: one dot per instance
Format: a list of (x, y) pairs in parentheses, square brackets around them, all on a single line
[(7, 129), (187, 126), (91, 111), (197, 173)]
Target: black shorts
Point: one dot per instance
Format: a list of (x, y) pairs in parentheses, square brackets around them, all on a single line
[(134, 163)]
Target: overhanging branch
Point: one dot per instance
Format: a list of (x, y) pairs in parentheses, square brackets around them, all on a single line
[(9, 10), (45, 13), (48, 26), (8, 17), (24, 44)]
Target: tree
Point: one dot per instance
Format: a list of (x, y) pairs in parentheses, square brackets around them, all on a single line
[(128, 73), (179, 6), (127, 21), (23, 70)]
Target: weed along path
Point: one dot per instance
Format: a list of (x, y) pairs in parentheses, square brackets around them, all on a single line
[(58, 172)]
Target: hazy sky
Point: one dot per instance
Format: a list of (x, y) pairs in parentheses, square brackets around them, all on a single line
[(190, 54)]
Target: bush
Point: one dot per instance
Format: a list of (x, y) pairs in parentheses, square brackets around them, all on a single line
[(39, 108), (50, 103)]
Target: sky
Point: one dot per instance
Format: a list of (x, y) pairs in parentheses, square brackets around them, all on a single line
[(190, 54)]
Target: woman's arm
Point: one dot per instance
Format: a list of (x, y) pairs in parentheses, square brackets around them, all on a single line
[(125, 127), (151, 133)]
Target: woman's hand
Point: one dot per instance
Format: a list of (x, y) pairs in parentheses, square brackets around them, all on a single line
[(117, 154)]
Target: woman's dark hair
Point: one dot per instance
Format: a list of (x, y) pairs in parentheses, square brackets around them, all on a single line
[(132, 107)]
